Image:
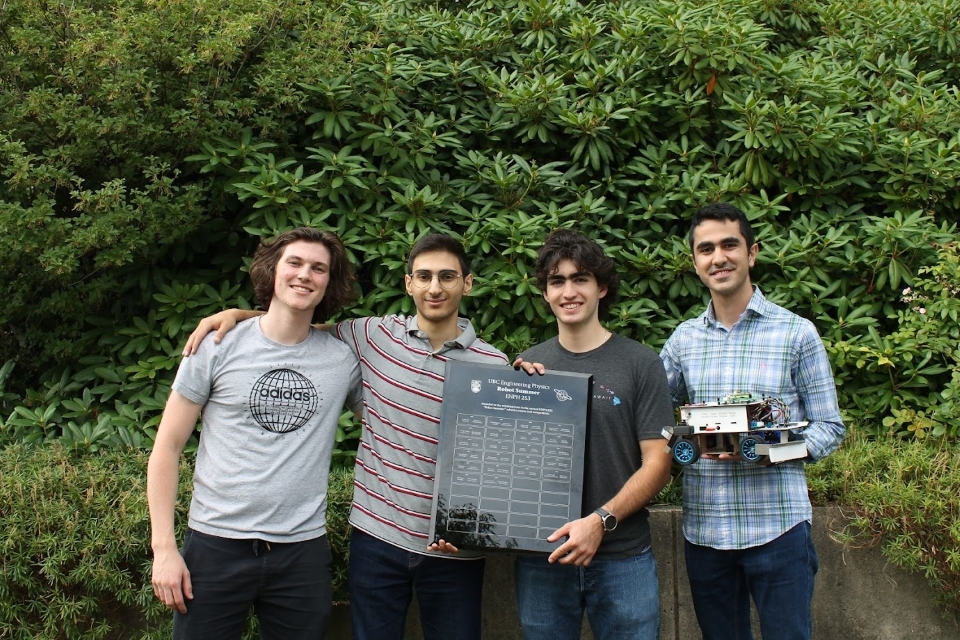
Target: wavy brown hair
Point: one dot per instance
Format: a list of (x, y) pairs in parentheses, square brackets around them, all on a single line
[(340, 291)]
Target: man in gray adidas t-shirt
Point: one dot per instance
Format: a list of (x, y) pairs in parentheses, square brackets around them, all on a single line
[(271, 394)]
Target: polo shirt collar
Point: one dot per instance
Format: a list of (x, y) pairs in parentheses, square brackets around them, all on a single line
[(467, 337)]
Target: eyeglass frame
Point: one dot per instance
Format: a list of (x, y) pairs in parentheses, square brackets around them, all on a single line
[(420, 284)]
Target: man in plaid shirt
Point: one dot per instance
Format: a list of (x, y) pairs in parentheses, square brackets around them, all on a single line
[(746, 525)]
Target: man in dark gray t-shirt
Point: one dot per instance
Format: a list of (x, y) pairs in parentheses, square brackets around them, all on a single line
[(605, 566), (271, 395)]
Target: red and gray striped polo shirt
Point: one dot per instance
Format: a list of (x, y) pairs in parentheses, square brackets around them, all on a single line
[(402, 389)]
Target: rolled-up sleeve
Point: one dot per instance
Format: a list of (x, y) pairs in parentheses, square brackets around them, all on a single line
[(815, 386), (671, 364)]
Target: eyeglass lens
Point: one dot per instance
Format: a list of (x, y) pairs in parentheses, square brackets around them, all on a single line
[(448, 279)]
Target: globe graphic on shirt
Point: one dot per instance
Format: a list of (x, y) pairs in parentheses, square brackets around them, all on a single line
[(283, 400)]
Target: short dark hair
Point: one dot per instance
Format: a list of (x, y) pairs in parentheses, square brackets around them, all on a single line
[(589, 257), (340, 291), (721, 211), (440, 242)]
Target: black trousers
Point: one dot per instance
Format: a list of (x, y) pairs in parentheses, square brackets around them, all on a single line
[(287, 584)]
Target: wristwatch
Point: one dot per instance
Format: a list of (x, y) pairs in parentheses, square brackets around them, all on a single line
[(608, 519)]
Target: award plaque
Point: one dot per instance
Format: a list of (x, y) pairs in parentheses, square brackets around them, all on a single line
[(510, 462)]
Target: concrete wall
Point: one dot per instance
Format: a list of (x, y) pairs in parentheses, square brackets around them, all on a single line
[(859, 596)]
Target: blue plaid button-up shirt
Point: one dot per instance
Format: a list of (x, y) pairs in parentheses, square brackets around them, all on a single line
[(768, 352)]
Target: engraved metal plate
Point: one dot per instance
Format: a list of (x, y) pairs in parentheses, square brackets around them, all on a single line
[(510, 462)]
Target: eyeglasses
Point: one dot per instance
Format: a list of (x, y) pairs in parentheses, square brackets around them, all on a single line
[(448, 279)]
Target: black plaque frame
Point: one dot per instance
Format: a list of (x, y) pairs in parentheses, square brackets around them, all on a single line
[(510, 463)]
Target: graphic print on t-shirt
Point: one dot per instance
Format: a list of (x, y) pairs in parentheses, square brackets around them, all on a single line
[(283, 400), (607, 394)]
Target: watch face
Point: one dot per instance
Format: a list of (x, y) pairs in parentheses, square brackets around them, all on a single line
[(610, 522)]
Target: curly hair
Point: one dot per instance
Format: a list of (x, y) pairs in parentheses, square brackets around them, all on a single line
[(565, 244), (340, 291)]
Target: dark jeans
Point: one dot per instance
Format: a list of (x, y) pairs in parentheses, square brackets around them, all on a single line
[(778, 575), (287, 584), (382, 580), (621, 597)]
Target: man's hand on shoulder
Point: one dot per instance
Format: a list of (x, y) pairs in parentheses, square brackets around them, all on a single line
[(221, 323)]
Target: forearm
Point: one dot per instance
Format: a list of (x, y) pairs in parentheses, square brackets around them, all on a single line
[(163, 480), (585, 534), (818, 396), (825, 430), (163, 477), (644, 484), (246, 314)]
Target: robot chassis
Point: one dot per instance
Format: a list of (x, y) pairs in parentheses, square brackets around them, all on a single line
[(759, 429)]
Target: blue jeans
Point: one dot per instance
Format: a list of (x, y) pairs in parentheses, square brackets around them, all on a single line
[(287, 584), (779, 575), (621, 598), (382, 579)]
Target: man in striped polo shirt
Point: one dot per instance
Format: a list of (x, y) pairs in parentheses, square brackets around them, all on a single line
[(402, 363), (747, 526)]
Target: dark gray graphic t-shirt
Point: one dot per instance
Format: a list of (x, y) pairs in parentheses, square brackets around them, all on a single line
[(270, 415), (630, 403)]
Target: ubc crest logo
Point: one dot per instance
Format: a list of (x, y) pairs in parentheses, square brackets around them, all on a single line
[(475, 386), (562, 395)]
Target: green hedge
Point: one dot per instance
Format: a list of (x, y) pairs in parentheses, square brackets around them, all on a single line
[(905, 498), (101, 219), (138, 179), (100, 102), (145, 148), (75, 552), (74, 557)]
